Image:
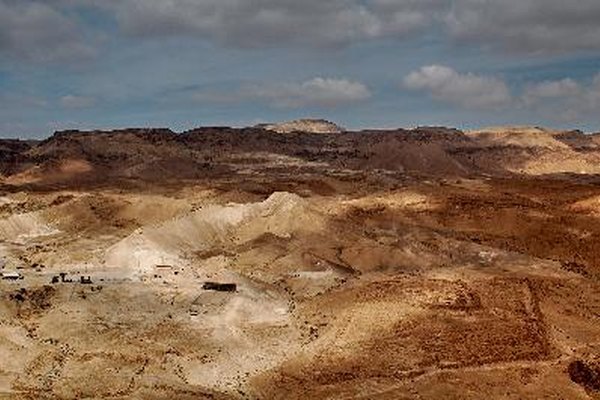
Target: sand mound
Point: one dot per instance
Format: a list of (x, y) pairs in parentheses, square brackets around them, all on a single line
[(22, 226), (566, 162), (213, 226), (520, 136), (62, 170), (590, 206), (303, 125), (402, 200)]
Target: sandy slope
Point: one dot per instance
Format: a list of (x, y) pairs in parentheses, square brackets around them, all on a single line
[(377, 265)]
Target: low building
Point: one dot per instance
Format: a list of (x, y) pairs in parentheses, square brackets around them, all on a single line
[(220, 287), (12, 276)]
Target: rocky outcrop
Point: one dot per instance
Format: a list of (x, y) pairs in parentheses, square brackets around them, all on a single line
[(303, 125)]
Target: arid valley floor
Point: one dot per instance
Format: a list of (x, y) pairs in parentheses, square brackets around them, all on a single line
[(409, 264)]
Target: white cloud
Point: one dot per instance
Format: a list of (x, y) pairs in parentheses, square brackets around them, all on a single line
[(36, 31), (466, 90), (564, 99), (73, 101), (551, 89), (316, 92), (50, 30), (263, 23), (594, 93), (324, 92), (531, 26)]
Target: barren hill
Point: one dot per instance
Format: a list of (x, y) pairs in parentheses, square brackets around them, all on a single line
[(240, 263), (162, 155), (303, 125)]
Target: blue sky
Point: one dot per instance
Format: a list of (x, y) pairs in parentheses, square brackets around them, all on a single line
[(86, 64)]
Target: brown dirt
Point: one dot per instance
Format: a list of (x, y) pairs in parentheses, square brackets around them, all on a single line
[(418, 264)]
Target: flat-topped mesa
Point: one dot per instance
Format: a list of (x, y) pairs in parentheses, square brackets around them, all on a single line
[(437, 134), (102, 145), (146, 133), (514, 129), (421, 134), (303, 125)]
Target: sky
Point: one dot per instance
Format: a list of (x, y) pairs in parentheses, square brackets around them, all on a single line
[(104, 64)]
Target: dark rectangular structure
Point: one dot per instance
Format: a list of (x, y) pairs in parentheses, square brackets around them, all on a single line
[(220, 287)]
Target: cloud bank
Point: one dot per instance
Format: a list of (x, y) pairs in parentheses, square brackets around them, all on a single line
[(315, 92), (466, 90), (52, 29), (527, 26), (36, 31), (263, 23), (563, 100)]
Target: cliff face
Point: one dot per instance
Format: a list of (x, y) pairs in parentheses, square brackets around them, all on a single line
[(13, 154)]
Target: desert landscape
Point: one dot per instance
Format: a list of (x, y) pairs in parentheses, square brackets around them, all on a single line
[(301, 261)]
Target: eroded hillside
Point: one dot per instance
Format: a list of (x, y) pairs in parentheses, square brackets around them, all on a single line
[(410, 264)]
